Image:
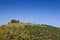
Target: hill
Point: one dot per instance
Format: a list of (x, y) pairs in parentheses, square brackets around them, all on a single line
[(28, 31)]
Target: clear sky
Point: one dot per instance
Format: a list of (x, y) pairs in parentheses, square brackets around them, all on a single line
[(34, 11)]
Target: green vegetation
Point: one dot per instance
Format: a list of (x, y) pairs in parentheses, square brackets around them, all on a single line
[(26, 31)]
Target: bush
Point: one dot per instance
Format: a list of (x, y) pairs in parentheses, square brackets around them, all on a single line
[(14, 21)]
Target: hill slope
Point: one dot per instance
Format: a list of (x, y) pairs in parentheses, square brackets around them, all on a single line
[(19, 31)]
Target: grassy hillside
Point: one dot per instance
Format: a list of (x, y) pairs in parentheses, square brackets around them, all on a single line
[(24, 31)]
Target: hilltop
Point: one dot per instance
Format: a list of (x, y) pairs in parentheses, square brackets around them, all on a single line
[(16, 30)]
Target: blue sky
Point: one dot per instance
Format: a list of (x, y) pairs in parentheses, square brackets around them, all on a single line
[(34, 11)]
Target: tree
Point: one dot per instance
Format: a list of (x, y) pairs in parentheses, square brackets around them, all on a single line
[(14, 21)]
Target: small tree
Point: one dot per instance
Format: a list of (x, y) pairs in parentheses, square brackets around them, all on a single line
[(14, 21)]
